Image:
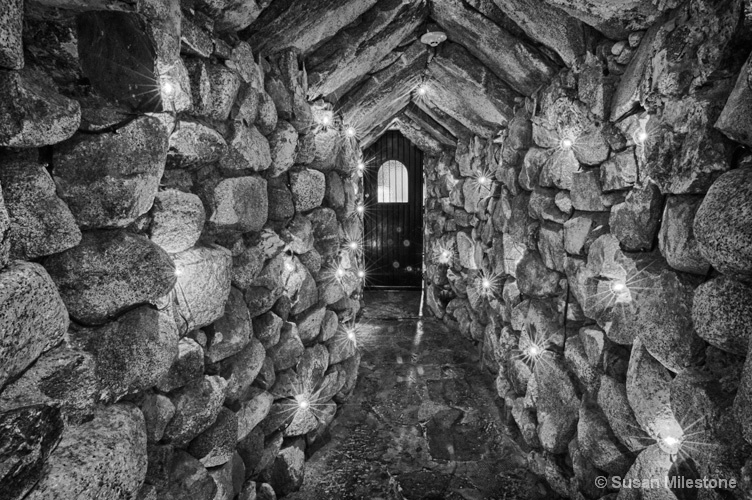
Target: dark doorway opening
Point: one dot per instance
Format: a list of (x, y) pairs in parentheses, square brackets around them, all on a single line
[(393, 184)]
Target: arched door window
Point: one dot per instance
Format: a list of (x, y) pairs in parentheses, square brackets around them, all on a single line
[(392, 182)]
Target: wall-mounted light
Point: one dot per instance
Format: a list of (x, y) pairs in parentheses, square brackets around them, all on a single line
[(168, 88)]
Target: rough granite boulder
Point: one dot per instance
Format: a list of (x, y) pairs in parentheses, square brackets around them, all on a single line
[(196, 408), (248, 151), (676, 239), (216, 444), (286, 473), (11, 27), (187, 367), (187, 478), (722, 224), (132, 353), (283, 143), (110, 179), (31, 114), (288, 350), (177, 220), (193, 144), (102, 458), (28, 434), (230, 333), (33, 317), (649, 395), (110, 272), (240, 371), (558, 405), (635, 222), (62, 377), (40, 223), (308, 188), (203, 286), (240, 204), (722, 314)]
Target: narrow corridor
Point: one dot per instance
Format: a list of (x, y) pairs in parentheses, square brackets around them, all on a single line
[(422, 423)]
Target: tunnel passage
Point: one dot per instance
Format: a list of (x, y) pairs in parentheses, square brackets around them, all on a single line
[(182, 226)]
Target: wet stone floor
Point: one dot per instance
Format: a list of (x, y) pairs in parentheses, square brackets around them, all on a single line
[(423, 422)]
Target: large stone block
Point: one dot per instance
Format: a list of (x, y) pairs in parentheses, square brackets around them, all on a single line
[(635, 222), (557, 403), (722, 224), (248, 150), (216, 444), (283, 143), (289, 349), (722, 314), (308, 188), (32, 115), (186, 478), (109, 272), (736, 118), (676, 239), (40, 223), (187, 367), (110, 179), (230, 333), (241, 370), (203, 286), (11, 27), (131, 354), (196, 408), (28, 434), (33, 317), (240, 204), (61, 377), (612, 398), (193, 144), (177, 220), (102, 458), (649, 395)]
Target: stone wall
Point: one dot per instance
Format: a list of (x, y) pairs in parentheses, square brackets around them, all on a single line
[(598, 250), (174, 291)]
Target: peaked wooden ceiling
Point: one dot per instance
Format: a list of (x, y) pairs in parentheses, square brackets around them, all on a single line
[(365, 57)]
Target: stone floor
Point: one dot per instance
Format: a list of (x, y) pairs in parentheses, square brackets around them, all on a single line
[(423, 421)]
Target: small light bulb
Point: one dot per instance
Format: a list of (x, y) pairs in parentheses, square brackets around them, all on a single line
[(326, 120), (168, 88), (361, 209), (178, 272), (422, 90), (567, 143), (483, 180), (671, 441), (303, 403), (361, 274), (340, 272), (353, 245), (642, 136), (350, 132), (289, 266), (361, 166), (351, 335), (486, 284), (534, 350), (618, 287)]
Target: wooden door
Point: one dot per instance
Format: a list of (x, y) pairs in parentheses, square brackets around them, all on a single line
[(393, 183)]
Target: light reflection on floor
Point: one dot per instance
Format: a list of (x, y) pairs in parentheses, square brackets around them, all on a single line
[(422, 422)]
